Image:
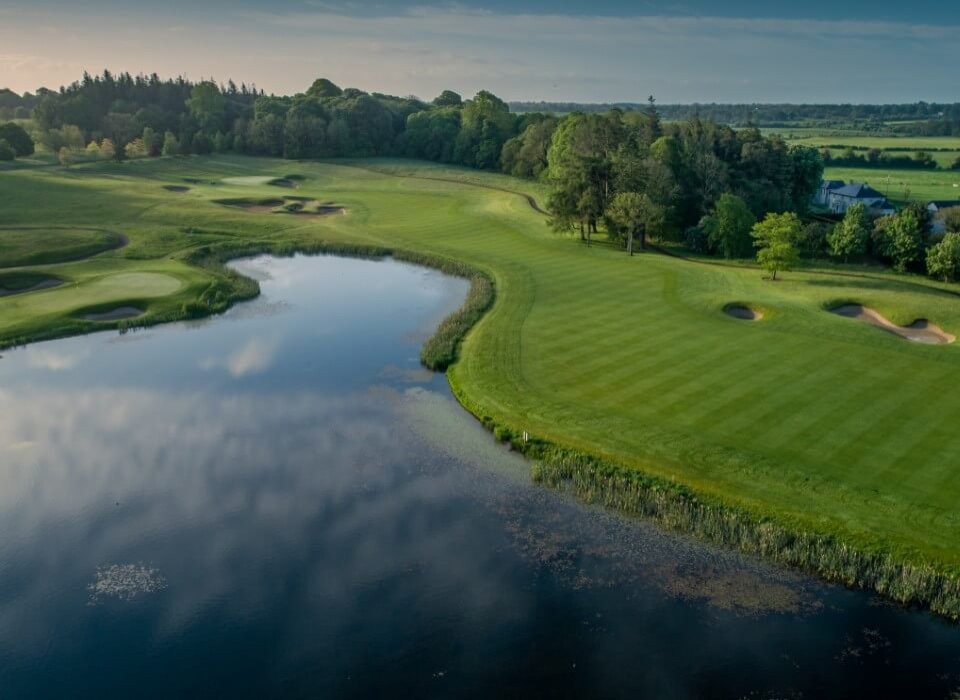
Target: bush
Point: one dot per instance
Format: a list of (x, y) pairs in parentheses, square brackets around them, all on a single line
[(17, 138), (6, 151), (813, 240), (943, 259)]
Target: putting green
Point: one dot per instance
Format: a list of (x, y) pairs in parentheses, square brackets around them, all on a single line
[(251, 181), (806, 417)]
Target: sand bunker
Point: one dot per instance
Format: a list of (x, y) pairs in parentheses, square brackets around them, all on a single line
[(326, 210), (254, 205), (45, 284), (298, 206), (920, 331), (179, 189), (744, 313), (117, 314)]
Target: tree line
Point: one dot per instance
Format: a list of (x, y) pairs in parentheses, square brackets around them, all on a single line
[(775, 115)]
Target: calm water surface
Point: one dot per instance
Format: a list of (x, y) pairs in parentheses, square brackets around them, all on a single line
[(281, 503)]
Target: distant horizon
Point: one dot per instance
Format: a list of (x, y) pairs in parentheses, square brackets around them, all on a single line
[(639, 102), (744, 52)]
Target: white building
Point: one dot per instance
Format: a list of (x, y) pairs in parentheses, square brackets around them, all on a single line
[(838, 197), (936, 209)]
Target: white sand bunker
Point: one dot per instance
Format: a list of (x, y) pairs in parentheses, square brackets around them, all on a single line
[(117, 314), (920, 331), (744, 313), (124, 582)]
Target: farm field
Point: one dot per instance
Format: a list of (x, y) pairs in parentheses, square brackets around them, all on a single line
[(943, 149), (903, 185), (818, 421)]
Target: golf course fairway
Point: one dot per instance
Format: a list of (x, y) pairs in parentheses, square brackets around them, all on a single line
[(804, 436)]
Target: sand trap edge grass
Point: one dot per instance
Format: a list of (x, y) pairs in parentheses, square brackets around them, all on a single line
[(920, 331)]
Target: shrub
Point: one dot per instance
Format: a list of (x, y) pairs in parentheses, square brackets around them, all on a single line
[(943, 259), (17, 138), (6, 151)]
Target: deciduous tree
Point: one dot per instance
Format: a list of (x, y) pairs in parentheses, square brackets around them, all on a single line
[(943, 259), (851, 236), (17, 138), (632, 215), (729, 225), (775, 237)]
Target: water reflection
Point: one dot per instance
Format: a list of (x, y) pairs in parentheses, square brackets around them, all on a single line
[(285, 503)]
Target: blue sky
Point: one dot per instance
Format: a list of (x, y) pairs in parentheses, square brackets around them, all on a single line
[(606, 50)]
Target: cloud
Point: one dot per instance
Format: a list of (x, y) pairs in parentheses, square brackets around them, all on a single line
[(39, 357), (253, 357), (426, 48)]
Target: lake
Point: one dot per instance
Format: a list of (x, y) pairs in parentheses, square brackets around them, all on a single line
[(281, 502)]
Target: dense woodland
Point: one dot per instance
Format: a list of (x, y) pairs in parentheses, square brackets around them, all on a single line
[(682, 167), (715, 189)]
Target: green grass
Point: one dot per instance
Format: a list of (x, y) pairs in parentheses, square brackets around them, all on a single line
[(818, 423), (943, 149), (904, 185)]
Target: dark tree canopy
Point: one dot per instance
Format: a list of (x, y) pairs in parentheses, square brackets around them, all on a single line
[(447, 98), (17, 138)]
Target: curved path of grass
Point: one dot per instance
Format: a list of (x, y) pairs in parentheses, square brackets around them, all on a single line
[(822, 425)]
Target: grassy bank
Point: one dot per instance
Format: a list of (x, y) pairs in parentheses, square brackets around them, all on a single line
[(812, 439)]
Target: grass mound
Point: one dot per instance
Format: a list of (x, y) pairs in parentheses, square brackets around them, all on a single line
[(20, 247)]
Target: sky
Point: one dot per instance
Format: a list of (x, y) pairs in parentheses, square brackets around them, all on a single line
[(601, 51)]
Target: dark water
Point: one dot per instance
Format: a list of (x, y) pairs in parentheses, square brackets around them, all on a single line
[(281, 503)]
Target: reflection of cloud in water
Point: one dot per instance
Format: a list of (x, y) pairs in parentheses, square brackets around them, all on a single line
[(412, 375), (253, 357), (225, 495), (39, 357)]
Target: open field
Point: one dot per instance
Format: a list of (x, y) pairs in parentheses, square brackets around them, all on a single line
[(822, 423), (943, 149), (903, 185), (832, 138)]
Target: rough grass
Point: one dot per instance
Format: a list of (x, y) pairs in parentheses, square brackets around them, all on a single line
[(835, 439)]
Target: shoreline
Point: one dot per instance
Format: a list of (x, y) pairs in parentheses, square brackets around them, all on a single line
[(902, 577)]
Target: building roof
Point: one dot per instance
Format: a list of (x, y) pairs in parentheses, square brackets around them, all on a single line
[(944, 203), (858, 190), (832, 184), (883, 205)]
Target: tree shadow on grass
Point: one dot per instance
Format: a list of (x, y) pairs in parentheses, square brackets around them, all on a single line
[(880, 285)]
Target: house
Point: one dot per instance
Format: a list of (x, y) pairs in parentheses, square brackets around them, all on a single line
[(826, 187), (936, 209), (840, 199), (882, 208)]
